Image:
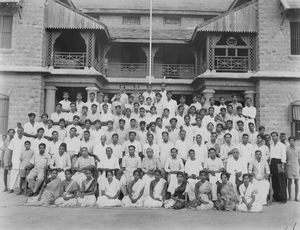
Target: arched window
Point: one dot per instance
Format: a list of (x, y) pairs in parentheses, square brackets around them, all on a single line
[(295, 119)]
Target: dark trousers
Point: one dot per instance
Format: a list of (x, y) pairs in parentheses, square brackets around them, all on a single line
[(278, 181)]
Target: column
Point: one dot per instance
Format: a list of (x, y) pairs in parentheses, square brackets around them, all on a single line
[(250, 94), (50, 99), (208, 93), (147, 53), (91, 89)]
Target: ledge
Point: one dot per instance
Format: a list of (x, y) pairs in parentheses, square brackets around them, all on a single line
[(29, 69), (145, 80), (294, 57), (276, 74)]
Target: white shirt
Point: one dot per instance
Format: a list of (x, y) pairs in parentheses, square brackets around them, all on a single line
[(151, 95), (79, 106), (109, 108), (213, 164), (183, 148), (193, 167), (105, 117), (252, 137), (78, 130), (69, 116), (278, 151), (117, 150), (197, 105), (208, 119), (172, 106), (93, 116), (246, 151), (264, 150), (111, 163), (165, 151), (89, 105), (235, 136), (62, 133), (100, 150), (159, 108), (224, 149), (35, 145), (200, 151), (97, 134), (16, 145), (154, 147), (189, 132), (137, 144), (65, 104), (174, 165), (73, 145), (55, 117), (31, 129), (54, 147), (249, 111), (200, 130), (61, 162), (234, 166), (88, 144)]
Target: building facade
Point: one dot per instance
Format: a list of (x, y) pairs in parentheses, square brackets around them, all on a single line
[(250, 48)]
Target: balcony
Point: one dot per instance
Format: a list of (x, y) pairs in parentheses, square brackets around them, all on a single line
[(138, 70), (69, 60), (231, 64)]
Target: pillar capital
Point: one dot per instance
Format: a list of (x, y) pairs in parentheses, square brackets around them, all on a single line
[(50, 87), (250, 94), (92, 89), (208, 93)]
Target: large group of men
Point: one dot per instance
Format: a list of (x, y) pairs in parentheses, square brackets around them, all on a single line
[(148, 132)]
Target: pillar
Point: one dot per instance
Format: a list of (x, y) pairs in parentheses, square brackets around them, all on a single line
[(250, 94), (91, 89), (147, 53), (50, 99), (208, 93)]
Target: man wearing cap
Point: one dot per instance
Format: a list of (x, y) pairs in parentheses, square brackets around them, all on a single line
[(31, 127), (132, 141), (170, 104)]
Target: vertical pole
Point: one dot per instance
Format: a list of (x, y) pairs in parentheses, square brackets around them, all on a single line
[(150, 45)]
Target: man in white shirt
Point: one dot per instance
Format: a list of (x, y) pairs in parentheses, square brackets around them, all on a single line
[(260, 170), (196, 103), (262, 147), (92, 101), (163, 92), (249, 111), (117, 148), (209, 118), (100, 148), (173, 130), (149, 93), (105, 115), (72, 142), (75, 124), (98, 132), (277, 167), (239, 117), (183, 145), (159, 104), (199, 129), (106, 102), (58, 114), (61, 161), (70, 115), (170, 104), (180, 116), (182, 100), (132, 141), (151, 145), (79, 103), (65, 102), (54, 144), (241, 131), (234, 133), (38, 140), (87, 142), (246, 149), (44, 121), (214, 167), (94, 115), (252, 133), (123, 97), (165, 148), (31, 127), (236, 167), (200, 149), (226, 148)]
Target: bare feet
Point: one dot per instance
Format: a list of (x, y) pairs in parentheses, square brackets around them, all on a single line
[(290, 198), (296, 200), (11, 191)]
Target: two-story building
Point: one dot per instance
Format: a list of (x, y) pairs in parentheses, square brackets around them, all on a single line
[(209, 47)]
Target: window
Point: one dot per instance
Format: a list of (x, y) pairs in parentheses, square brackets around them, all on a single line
[(295, 38), (295, 113), (171, 20), (131, 20), (5, 31)]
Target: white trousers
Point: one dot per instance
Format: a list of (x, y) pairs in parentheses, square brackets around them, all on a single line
[(14, 178), (262, 187)]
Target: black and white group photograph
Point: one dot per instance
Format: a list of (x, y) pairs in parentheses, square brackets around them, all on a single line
[(149, 114)]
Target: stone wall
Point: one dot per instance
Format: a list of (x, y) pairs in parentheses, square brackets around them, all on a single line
[(274, 41), (28, 36), (26, 94), (272, 101)]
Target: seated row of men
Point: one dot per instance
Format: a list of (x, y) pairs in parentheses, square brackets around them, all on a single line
[(146, 183)]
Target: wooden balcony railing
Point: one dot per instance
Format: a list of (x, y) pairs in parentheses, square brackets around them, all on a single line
[(124, 70), (174, 70), (231, 64), (69, 60)]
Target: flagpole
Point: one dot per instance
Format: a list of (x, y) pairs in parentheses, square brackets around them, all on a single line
[(150, 45)]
